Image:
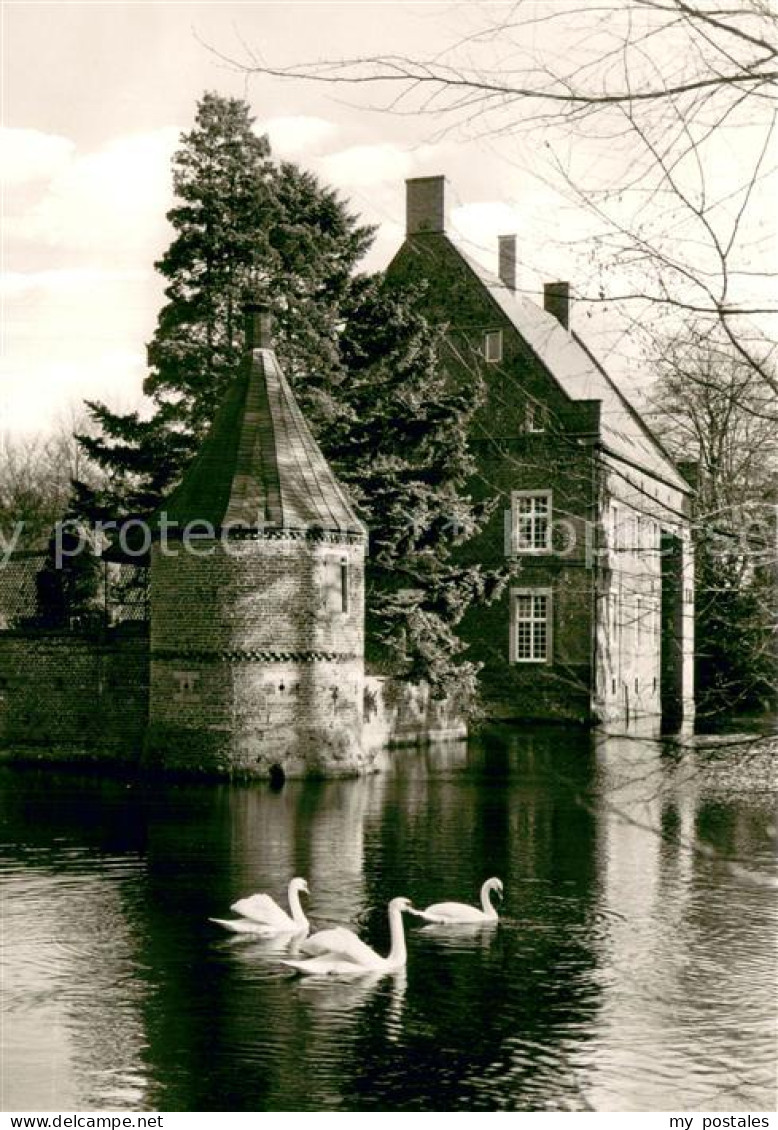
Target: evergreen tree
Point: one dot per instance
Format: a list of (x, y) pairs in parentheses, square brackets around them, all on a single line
[(364, 363), (242, 223), (400, 443)]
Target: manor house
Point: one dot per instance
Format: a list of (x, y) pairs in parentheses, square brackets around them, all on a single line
[(598, 625)]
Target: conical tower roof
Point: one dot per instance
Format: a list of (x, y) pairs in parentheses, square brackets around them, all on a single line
[(259, 467)]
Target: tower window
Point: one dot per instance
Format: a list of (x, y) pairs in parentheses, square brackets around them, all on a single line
[(530, 626), (344, 602), (492, 346)]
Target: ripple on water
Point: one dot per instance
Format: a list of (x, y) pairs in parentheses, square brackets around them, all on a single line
[(624, 973)]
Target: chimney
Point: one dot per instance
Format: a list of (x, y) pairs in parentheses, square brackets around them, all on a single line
[(556, 301), (425, 205), (259, 324), (506, 258)]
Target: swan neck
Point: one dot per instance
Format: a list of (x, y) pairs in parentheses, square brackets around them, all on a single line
[(298, 914), (486, 902), (397, 952)]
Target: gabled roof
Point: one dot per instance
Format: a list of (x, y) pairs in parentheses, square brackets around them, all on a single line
[(623, 432), (259, 467)]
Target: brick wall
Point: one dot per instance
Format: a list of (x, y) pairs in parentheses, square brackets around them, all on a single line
[(530, 436), (275, 594), (72, 698), (219, 707), (75, 699), (255, 661), (241, 718), (397, 714)]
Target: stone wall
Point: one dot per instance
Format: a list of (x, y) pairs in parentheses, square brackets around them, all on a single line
[(245, 718), (254, 664), (279, 593), (73, 697), (401, 714), (256, 657), (636, 512)]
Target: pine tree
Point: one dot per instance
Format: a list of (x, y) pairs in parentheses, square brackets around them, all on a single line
[(400, 443), (365, 366), (242, 223)]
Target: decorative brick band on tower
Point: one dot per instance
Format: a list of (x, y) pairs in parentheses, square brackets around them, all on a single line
[(257, 631)]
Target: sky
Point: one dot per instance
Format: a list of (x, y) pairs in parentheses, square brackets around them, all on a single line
[(95, 96)]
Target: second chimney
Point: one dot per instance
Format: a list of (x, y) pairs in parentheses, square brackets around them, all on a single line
[(506, 259), (425, 205), (556, 301)]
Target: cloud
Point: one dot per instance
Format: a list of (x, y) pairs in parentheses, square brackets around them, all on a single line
[(27, 155), (68, 279), (298, 136), (72, 333), (365, 165), (112, 201), (85, 229), (35, 394)]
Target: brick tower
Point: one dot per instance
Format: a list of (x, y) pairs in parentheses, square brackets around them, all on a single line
[(257, 595)]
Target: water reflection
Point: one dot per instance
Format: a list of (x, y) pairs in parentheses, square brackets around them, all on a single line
[(693, 936), (631, 968)]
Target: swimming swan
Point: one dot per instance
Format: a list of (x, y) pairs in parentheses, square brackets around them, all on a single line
[(340, 951), (262, 915), (448, 913)]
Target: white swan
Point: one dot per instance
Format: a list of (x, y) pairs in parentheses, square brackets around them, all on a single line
[(262, 915), (340, 951), (449, 913)]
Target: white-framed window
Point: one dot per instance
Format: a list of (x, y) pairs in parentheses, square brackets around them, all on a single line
[(531, 512), (492, 346), (530, 625)]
